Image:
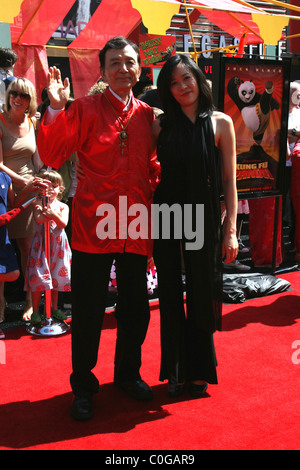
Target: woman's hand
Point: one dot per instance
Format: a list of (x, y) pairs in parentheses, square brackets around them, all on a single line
[(36, 185), (230, 247), (58, 91)]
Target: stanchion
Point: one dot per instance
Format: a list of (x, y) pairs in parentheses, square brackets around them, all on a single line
[(48, 327)]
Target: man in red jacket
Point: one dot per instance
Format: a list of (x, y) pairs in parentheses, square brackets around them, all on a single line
[(111, 133)]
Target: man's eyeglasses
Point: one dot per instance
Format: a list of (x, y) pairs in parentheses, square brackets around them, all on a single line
[(23, 96)]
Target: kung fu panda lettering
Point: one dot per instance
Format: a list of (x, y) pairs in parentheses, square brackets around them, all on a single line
[(254, 163), (255, 107)]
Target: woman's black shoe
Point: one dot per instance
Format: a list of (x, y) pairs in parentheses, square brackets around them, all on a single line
[(82, 407), (197, 390), (175, 390), (137, 389)]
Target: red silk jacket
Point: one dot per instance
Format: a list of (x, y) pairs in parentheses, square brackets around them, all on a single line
[(112, 179)]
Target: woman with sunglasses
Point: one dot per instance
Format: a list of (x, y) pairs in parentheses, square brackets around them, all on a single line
[(17, 147)]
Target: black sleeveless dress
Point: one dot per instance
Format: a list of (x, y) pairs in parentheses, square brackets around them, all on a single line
[(190, 176)]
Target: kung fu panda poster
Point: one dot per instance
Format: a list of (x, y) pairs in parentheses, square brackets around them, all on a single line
[(255, 95)]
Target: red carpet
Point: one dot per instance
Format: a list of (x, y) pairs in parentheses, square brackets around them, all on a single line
[(255, 406)]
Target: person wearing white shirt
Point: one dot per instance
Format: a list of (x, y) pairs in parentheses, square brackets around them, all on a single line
[(8, 59), (288, 216)]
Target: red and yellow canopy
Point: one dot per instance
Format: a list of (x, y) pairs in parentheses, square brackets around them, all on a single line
[(33, 22)]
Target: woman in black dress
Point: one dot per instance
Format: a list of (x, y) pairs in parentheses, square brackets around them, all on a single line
[(196, 150)]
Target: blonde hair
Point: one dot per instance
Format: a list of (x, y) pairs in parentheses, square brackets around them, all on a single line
[(55, 178), (23, 85)]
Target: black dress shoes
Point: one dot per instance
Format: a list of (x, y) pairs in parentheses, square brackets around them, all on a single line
[(197, 390), (175, 390), (82, 407), (137, 389)]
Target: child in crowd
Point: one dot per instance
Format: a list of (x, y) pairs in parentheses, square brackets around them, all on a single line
[(41, 276), (9, 269)]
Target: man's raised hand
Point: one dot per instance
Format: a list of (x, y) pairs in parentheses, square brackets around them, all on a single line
[(58, 91)]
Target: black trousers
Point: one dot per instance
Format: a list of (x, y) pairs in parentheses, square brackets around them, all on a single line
[(90, 277), (187, 351)]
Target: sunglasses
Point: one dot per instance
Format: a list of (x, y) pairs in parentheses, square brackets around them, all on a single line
[(23, 96)]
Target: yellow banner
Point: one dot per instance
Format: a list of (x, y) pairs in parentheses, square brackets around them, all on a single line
[(9, 9), (156, 16), (270, 27)]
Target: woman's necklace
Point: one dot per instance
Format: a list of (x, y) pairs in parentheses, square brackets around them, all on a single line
[(123, 136)]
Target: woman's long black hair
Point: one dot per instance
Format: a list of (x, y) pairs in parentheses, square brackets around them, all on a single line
[(170, 106)]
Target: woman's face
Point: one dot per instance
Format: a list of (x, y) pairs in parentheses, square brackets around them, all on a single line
[(19, 100), (184, 86)]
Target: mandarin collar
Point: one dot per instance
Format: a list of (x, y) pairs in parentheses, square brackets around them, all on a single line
[(117, 101)]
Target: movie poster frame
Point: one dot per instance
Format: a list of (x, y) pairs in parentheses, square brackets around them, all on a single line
[(221, 65)]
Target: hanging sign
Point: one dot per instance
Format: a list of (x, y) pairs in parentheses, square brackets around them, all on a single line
[(155, 50)]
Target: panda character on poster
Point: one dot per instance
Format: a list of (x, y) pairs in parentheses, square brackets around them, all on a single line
[(255, 109)]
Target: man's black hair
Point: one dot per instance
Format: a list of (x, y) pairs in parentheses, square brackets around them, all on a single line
[(7, 57), (118, 42)]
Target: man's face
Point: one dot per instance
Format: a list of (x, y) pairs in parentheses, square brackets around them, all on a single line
[(121, 70)]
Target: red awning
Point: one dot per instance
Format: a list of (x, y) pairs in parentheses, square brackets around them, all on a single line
[(37, 21), (236, 25), (230, 16), (30, 32), (32, 63), (112, 18), (226, 5), (235, 20)]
